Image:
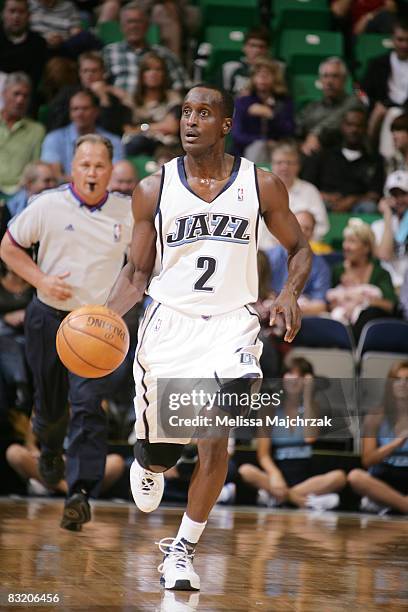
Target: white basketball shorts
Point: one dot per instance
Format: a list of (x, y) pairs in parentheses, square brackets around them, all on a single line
[(173, 345)]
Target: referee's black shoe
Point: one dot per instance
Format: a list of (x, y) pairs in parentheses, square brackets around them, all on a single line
[(51, 467), (77, 511)]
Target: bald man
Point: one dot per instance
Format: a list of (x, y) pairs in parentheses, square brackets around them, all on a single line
[(124, 177)]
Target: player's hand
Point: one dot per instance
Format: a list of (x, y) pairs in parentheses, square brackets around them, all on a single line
[(55, 286), (287, 306)]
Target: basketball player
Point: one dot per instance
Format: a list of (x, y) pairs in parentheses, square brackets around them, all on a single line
[(200, 213), (83, 234)]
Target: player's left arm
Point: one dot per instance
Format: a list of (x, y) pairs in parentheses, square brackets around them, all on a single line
[(282, 223)]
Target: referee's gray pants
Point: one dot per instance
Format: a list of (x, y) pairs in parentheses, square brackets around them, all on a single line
[(54, 386)]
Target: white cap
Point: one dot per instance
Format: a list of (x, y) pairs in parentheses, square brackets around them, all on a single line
[(396, 180)]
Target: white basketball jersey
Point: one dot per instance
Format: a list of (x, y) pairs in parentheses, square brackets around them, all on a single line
[(207, 251)]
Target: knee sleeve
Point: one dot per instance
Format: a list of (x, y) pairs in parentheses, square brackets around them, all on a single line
[(163, 454), (234, 392)]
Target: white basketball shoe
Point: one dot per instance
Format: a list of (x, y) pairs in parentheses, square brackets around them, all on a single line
[(177, 572), (147, 487)]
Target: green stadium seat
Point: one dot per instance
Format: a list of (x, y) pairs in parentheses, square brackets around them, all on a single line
[(278, 6), (300, 19), (306, 88), (368, 46), (230, 12), (42, 114), (226, 45), (110, 32), (143, 164), (303, 50), (338, 222)]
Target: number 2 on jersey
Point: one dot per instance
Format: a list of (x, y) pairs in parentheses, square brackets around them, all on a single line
[(208, 264)]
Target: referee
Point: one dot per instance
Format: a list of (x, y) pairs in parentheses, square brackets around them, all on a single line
[(83, 233)]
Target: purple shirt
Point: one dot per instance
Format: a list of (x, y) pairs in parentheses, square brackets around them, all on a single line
[(247, 128)]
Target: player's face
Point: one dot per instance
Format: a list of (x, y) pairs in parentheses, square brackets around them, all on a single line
[(202, 123), (15, 17), (91, 171)]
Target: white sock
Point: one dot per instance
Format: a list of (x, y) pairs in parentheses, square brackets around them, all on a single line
[(190, 530)]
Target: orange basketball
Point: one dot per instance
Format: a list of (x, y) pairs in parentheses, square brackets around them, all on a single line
[(92, 341)]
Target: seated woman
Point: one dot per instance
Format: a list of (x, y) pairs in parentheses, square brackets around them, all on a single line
[(15, 295), (265, 116), (385, 449), (156, 109), (23, 459), (362, 288), (285, 457)]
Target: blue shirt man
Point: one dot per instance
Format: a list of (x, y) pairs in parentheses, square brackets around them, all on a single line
[(313, 299), (58, 146)]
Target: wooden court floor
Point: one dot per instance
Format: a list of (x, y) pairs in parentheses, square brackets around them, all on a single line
[(248, 560)]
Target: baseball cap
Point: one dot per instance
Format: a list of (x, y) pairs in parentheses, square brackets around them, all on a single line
[(396, 180)]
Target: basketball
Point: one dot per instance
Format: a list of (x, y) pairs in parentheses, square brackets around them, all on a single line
[(92, 341)]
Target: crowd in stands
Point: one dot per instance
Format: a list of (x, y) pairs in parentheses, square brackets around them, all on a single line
[(73, 67)]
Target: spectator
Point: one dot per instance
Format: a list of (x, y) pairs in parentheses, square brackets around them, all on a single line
[(399, 132), (20, 48), (122, 59), (359, 269), (270, 336), (59, 23), (385, 450), (385, 81), (265, 116), (59, 72), (58, 146), (20, 137), (348, 177), (177, 20), (15, 295), (236, 75), (37, 177), (156, 109), (114, 114), (302, 195), (312, 301), (391, 232), (319, 122), (286, 472), (124, 178), (23, 459)]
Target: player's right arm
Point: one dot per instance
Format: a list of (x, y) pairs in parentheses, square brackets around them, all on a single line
[(132, 281)]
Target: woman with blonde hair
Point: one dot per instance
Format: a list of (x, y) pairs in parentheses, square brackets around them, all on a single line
[(385, 449), (362, 288), (266, 115)]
